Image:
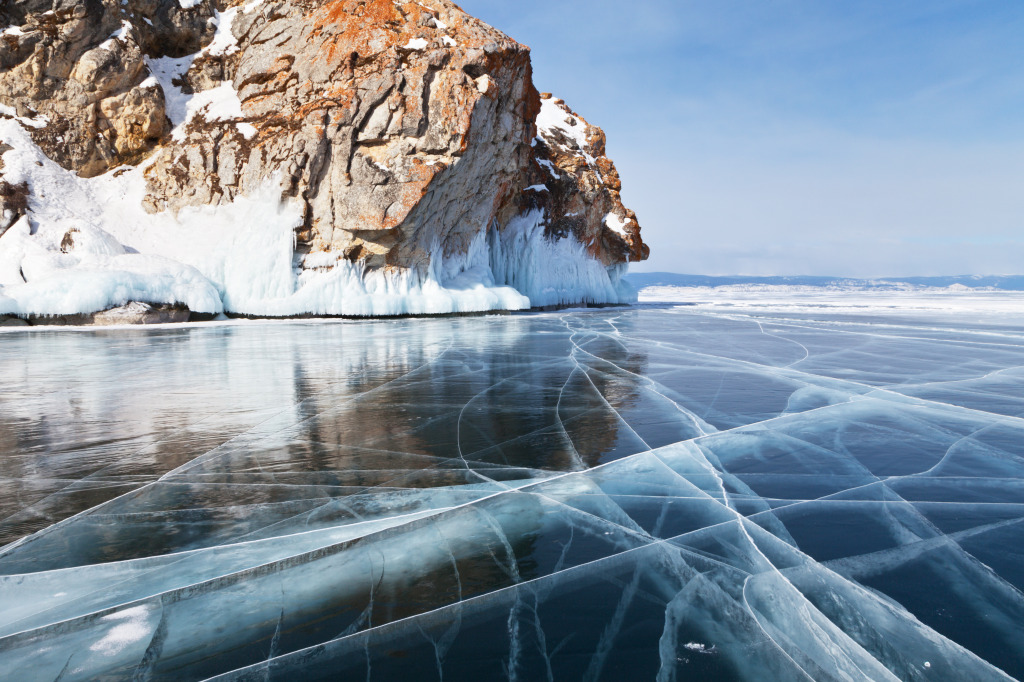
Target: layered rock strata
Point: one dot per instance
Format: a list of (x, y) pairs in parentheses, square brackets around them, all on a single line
[(374, 156)]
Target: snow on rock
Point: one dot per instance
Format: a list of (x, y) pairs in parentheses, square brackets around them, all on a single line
[(222, 98), (224, 41), (70, 264), (216, 104), (550, 167), (555, 119), (94, 67), (166, 70), (344, 187), (248, 130), (95, 248), (34, 122), (120, 34), (583, 185), (615, 224)]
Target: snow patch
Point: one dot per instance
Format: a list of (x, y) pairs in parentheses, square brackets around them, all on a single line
[(204, 258), (37, 122), (166, 70), (13, 31), (120, 35), (131, 625), (220, 103), (320, 259), (224, 41), (416, 44), (94, 284), (216, 104), (615, 224), (536, 188), (550, 168), (188, 4), (699, 648), (552, 118), (448, 41), (248, 130)]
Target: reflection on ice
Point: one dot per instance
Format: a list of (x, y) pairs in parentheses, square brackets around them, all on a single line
[(641, 494)]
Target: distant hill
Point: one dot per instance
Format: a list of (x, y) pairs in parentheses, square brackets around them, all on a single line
[(651, 279)]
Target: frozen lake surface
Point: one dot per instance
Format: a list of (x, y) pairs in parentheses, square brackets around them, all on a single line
[(737, 491)]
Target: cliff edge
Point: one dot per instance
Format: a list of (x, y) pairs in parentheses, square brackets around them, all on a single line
[(287, 157)]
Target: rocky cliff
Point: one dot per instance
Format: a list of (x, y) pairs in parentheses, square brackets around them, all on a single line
[(283, 157)]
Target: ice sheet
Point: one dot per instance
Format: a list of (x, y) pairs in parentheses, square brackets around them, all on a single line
[(664, 492), (933, 302)]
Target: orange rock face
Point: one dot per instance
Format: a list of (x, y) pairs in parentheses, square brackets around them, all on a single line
[(397, 125), (405, 130)]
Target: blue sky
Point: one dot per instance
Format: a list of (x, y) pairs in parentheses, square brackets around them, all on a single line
[(859, 138)]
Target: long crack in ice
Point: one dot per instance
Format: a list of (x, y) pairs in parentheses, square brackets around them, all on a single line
[(543, 497)]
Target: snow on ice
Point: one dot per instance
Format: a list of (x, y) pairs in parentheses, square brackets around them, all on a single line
[(239, 257)]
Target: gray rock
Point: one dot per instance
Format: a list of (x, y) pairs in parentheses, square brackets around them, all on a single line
[(401, 128), (141, 313)]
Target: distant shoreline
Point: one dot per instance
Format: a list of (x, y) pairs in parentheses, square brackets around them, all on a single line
[(642, 280)]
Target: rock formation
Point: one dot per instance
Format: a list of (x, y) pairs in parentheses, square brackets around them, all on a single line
[(371, 156)]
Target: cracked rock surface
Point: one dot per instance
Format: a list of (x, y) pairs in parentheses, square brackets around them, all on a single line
[(402, 129)]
